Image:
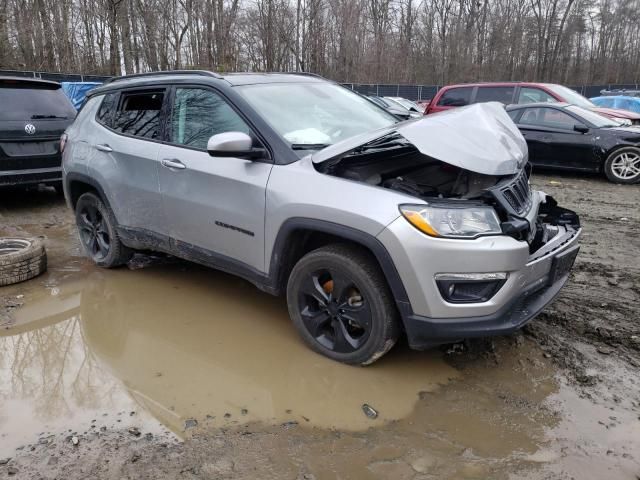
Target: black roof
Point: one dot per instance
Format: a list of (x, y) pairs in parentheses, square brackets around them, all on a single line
[(230, 79), (29, 81)]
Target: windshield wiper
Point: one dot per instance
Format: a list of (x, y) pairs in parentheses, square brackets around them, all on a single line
[(36, 117), (309, 146)]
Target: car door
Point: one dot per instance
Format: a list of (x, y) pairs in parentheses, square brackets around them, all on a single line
[(533, 133), (552, 139), (125, 155), (214, 206)]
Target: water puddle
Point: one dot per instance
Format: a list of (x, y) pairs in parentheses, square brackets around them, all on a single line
[(185, 343), (173, 346)]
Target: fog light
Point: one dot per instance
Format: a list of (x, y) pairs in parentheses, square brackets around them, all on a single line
[(469, 287)]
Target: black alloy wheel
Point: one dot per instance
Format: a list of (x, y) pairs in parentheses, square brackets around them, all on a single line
[(334, 311), (98, 235), (94, 232), (341, 305)]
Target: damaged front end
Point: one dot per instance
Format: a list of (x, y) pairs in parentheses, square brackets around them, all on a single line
[(472, 156)]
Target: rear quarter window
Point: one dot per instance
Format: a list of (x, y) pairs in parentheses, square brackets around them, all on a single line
[(456, 97), (107, 108)]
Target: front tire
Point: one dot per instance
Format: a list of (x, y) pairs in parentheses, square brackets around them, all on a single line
[(98, 236), (623, 166), (340, 303)]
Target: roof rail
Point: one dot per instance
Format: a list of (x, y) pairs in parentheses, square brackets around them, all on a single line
[(306, 74), (205, 73)]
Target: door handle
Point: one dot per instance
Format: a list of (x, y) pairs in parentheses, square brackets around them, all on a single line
[(173, 163), (103, 148)]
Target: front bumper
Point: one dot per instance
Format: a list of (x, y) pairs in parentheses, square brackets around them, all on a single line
[(533, 281), (424, 332)]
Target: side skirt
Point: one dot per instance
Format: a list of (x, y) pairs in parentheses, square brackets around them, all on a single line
[(141, 239)]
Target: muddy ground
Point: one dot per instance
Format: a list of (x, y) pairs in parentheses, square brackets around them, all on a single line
[(177, 371)]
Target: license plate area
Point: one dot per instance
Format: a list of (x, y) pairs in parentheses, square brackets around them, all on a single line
[(562, 264)]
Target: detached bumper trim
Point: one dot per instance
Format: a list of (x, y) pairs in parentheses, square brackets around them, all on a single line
[(424, 332)]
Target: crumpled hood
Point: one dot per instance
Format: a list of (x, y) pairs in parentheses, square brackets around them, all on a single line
[(480, 138)]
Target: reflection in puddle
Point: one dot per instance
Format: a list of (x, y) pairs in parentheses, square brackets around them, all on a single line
[(48, 379), (204, 343), (186, 344)]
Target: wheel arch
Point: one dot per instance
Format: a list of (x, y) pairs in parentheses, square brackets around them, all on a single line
[(297, 236), (78, 184)]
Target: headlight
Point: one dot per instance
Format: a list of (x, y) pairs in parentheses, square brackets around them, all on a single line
[(453, 221)]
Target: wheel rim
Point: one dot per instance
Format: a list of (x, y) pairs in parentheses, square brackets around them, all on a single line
[(334, 312), (12, 245), (94, 232), (626, 165)]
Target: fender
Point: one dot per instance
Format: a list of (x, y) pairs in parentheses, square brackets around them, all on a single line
[(81, 177), (357, 236)]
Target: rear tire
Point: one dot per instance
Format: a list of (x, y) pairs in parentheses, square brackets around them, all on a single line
[(623, 166), (98, 235), (340, 303)]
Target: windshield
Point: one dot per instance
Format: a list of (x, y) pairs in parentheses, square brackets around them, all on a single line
[(34, 103), (570, 96), (599, 121), (314, 115)]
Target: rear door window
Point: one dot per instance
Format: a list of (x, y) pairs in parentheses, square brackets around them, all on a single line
[(514, 114), (495, 94), (456, 97), (548, 117), (139, 114), (534, 95), (29, 103)]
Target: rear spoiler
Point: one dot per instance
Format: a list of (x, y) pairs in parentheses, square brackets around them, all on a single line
[(27, 82)]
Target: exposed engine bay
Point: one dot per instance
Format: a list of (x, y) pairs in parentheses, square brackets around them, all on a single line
[(393, 162)]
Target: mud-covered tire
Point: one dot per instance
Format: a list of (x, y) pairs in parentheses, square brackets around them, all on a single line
[(359, 270), (21, 259), (117, 253), (623, 166)]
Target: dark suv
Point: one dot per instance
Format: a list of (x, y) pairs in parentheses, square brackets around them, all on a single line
[(33, 116)]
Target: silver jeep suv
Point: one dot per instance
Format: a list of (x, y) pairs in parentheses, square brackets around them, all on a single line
[(372, 227)]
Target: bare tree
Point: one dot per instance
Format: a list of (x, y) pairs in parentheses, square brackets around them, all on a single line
[(418, 41)]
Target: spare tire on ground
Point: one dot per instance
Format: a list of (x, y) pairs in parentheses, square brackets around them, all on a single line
[(21, 259)]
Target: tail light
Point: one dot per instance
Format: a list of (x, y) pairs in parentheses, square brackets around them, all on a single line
[(63, 142)]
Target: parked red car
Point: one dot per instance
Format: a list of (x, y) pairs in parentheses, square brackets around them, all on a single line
[(518, 92)]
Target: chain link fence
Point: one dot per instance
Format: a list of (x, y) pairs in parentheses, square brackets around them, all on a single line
[(56, 77), (412, 92)]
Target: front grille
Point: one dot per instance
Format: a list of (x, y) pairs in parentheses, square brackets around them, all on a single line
[(517, 194)]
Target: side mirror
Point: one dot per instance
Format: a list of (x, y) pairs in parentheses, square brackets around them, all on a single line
[(233, 144), (581, 128)]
